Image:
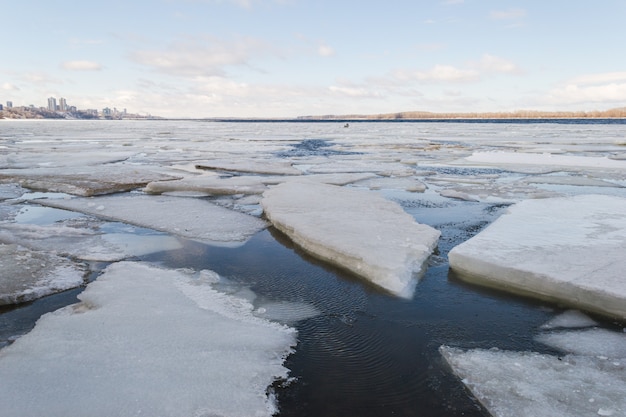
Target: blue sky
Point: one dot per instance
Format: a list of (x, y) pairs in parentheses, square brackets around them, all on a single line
[(284, 58)]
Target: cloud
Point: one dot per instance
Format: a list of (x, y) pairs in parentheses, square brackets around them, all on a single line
[(200, 56), (450, 2), (602, 78), (439, 73), (494, 64), (81, 66), (507, 14), (353, 92), (603, 88), (9, 87), (325, 50)]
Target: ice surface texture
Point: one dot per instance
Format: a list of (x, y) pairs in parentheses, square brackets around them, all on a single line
[(190, 218), (511, 384), (569, 250), (356, 230), (26, 275), (146, 341)]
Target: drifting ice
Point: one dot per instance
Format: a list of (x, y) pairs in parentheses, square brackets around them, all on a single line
[(569, 250), (360, 231), (146, 341), (190, 218)]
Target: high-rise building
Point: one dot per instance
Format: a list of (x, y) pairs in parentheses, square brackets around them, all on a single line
[(62, 104), (9, 104), (52, 104)]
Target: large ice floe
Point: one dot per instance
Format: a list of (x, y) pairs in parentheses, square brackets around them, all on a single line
[(569, 250), (588, 380), (187, 217), (146, 341), (356, 230)]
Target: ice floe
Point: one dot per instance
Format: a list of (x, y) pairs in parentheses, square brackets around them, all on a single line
[(189, 218), (87, 242), (569, 250), (356, 230), (84, 181), (258, 166), (146, 341), (546, 159), (570, 319), (531, 384), (569, 180), (26, 275), (589, 379), (210, 185)]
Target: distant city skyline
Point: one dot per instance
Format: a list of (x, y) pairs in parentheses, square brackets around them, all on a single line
[(287, 58)]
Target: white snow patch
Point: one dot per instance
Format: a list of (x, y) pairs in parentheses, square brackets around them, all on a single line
[(568, 250), (26, 275), (146, 341), (190, 218), (532, 384), (357, 230)]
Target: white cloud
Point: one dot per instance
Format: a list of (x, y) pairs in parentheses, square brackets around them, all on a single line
[(9, 87), (602, 78), (450, 2), (439, 73), (200, 56), (354, 92), (508, 14), (81, 66), (325, 50), (494, 64), (603, 88)]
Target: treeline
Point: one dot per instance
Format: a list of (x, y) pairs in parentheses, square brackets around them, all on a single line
[(519, 114)]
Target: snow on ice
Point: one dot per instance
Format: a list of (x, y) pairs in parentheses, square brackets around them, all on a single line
[(569, 250), (356, 230), (146, 341), (186, 217)]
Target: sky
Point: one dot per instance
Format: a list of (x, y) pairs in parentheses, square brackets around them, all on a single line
[(288, 58)]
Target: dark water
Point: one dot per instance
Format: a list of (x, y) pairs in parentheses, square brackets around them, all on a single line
[(368, 353)]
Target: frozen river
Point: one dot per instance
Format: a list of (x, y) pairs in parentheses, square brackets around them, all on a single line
[(195, 293)]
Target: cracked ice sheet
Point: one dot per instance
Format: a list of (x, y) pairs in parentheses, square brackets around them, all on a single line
[(568, 250), (149, 341), (190, 218), (356, 230), (26, 275)]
